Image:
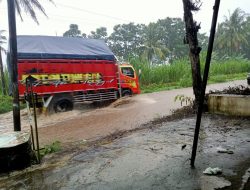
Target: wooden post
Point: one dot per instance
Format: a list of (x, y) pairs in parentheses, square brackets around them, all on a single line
[(205, 77), (191, 39), (13, 64)]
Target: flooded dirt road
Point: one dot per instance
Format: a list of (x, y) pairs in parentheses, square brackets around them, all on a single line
[(156, 157), (92, 123)]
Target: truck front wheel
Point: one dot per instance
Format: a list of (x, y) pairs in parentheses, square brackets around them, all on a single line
[(63, 105), (126, 93)]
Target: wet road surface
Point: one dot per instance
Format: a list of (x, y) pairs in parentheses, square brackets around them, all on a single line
[(152, 158), (91, 123)]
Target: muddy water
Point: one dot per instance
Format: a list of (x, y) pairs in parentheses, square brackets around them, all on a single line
[(43, 119), (88, 122), (150, 159)]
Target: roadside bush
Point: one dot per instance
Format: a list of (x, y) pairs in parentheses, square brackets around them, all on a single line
[(5, 103), (52, 148), (7, 81)]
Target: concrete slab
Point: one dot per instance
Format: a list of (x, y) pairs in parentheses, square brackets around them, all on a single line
[(237, 105)]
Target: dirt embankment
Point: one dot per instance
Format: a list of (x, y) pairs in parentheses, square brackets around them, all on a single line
[(235, 90)]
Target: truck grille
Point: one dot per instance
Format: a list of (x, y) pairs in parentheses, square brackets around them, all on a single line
[(96, 97)]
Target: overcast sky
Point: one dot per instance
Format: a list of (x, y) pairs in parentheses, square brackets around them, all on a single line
[(91, 14)]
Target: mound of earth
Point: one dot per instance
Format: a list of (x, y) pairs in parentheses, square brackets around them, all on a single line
[(237, 90)]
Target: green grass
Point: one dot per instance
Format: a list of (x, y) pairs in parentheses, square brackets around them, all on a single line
[(170, 86), (162, 74), (178, 74), (5, 103), (227, 77), (159, 87), (48, 149)]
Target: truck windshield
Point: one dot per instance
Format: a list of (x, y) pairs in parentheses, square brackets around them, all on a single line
[(128, 71)]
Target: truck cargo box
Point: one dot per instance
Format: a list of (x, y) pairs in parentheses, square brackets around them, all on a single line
[(54, 47)]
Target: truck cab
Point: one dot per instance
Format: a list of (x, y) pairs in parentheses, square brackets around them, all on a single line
[(129, 80)]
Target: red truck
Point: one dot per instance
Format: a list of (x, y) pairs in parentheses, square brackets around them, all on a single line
[(65, 70)]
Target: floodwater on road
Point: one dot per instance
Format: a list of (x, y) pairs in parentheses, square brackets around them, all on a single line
[(156, 157), (91, 123)]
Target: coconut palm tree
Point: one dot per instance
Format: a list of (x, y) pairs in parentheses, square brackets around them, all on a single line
[(246, 48), (232, 33), (152, 45), (2, 41)]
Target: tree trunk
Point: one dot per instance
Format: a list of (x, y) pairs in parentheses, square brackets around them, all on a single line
[(194, 49), (2, 74)]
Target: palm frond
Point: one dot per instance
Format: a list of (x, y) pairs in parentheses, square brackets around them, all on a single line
[(29, 6)]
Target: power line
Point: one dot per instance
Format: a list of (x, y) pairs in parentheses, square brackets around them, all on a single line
[(62, 20), (84, 10), (75, 20), (68, 18), (92, 12)]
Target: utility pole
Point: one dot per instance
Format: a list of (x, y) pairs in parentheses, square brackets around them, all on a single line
[(205, 77), (13, 64)]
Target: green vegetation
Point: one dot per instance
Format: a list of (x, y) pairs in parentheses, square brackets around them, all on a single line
[(5, 103), (178, 74), (233, 34), (155, 42), (5, 100), (48, 149)]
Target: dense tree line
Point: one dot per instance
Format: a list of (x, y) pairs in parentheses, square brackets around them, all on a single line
[(163, 40), (155, 42)]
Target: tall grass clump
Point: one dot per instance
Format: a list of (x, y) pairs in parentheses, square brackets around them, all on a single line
[(5, 100), (7, 82), (230, 66), (178, 74), (157, 74), (5, 103)]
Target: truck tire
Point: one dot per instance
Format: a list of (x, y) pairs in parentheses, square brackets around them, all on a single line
[(126, 93), (63, 105)]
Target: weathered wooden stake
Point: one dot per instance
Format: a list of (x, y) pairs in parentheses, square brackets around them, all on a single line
[(13, 64), (191, 39), (205, 77)]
